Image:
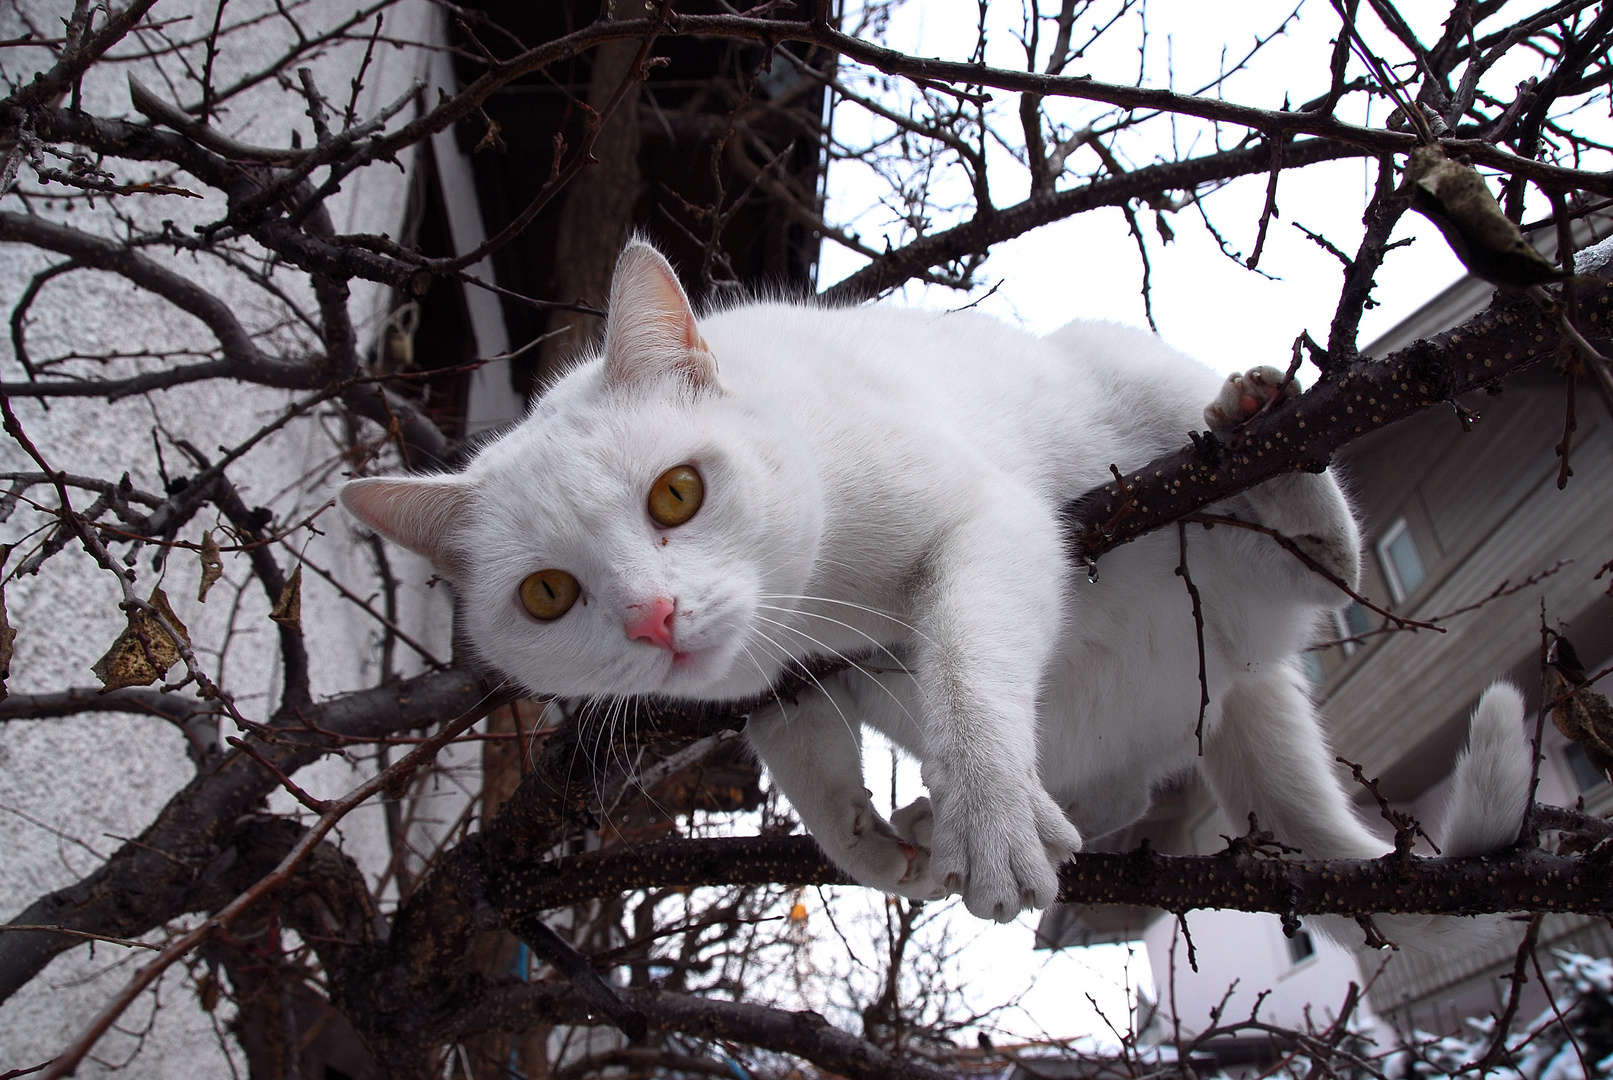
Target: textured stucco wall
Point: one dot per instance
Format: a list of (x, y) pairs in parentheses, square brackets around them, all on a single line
[(97, 778)]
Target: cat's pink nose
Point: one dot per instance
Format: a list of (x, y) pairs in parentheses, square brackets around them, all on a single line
[(652, 622)]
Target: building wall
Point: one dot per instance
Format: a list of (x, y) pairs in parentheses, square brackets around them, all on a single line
[(1483, 510), (1241, 956), (95, 779)]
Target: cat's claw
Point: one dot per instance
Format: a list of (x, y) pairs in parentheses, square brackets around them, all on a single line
[(1245, 394), (1003, 858)]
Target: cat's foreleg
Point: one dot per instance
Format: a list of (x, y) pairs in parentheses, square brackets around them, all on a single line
[(814, 754), (989, 613), (1308, 508)]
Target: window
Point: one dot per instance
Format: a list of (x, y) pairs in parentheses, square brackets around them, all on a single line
[(1587, 777), (1353, 621), (1357, 620), (1314, 671), (1402, 566), (1300, 947)]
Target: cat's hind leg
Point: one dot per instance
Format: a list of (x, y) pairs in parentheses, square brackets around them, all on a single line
[(1308, 508), (814, 754), (1265, 755)]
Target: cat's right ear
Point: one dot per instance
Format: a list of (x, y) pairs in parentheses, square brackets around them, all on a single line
[(420, 513), (650, 330)]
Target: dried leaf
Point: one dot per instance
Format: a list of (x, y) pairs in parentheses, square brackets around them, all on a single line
[(7, 637), (288, 609), (493, 139), (212, 565), (207, 989), (1455, 198), (1583, 715), (144, 651)]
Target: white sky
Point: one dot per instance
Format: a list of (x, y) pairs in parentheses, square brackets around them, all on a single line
[(1088, 267)]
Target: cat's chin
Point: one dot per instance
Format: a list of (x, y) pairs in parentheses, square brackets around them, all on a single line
[(706, 675)]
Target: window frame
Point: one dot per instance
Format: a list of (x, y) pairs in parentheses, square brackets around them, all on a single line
[(1386, 563), (1301, 948), (1567, 753)]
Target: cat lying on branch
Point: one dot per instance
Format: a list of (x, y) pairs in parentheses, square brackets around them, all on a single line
[(707, 500)]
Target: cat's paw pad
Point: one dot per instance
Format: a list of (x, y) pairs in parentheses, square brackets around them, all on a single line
[(865, 846), (1243, 395), (1002, 855), (915, 823)]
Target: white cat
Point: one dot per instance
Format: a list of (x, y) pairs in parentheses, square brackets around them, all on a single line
[(703, 502)]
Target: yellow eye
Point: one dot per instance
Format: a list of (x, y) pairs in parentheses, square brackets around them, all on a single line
[(676, 495), (549, 594)]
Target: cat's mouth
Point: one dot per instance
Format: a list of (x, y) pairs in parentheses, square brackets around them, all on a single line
[(691, 671)]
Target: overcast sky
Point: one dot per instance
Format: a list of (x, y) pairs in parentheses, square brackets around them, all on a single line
[(1088, 267)]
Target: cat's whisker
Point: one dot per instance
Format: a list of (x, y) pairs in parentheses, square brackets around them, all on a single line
[(872, 640), (580, 716), (854, 730), (744, 648), (633, 776), (615, 742), (598, 721), (871, 676), (599, 731), (784, 712), (882, 612), (890, 616), (638, 739), (607, 746)]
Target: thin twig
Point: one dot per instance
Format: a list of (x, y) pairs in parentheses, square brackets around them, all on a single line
[(1288, 545), (1198, 633), (68, 1061)]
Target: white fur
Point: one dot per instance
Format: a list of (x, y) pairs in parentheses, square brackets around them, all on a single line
[(886, 483)]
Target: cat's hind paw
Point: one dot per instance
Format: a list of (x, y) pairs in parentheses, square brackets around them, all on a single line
[(1243, 395)]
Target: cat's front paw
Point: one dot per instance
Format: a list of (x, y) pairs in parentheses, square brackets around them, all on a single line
[(866, 846), (1002, 851), (1244, 395), (915, 823)]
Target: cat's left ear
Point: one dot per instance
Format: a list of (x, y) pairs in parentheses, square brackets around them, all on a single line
[(650, 331), (421, 513)]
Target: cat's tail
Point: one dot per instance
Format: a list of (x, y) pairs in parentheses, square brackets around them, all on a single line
[(1490, 787), (1483, 813), (1267, 756)]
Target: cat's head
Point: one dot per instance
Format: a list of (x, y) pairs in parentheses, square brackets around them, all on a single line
[(627, 535)]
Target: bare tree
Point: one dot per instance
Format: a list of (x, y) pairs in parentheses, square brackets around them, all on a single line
[(134, 146)]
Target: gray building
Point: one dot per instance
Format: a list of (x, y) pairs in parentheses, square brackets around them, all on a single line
[(1452, 516), (1456, 504)]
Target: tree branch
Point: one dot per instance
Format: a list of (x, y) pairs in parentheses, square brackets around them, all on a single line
[(1303, 434), (246, 360), (174, 854), (802, 1034)]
